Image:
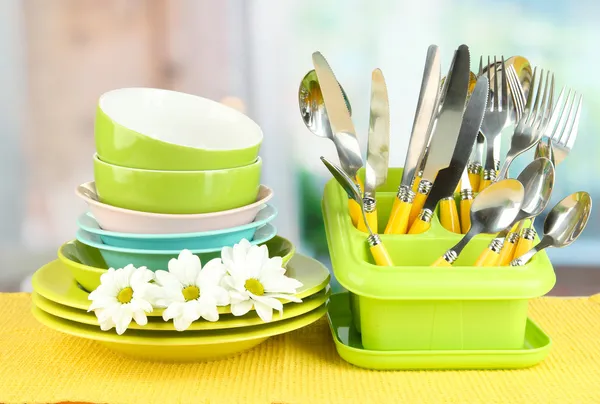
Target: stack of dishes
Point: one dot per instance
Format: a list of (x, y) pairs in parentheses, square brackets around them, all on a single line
[(172, 172)]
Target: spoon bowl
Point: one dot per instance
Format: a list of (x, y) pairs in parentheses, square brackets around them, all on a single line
[(496, 207), (538, 180)]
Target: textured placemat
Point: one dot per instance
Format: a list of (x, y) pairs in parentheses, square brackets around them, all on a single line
[(38, 365)]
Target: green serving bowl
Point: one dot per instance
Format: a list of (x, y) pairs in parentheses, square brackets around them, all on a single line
[(157, 129), (178, 192), (87, 265)]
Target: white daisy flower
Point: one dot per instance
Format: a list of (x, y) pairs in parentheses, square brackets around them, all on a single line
[(254, 279), (189, 292), (122, 297)]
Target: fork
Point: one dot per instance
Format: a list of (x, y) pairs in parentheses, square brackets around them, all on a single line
[(562, 132), (495, 119)]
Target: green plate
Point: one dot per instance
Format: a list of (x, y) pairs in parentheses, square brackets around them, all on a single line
[(56, 283), (228, 321), (192, 346), (349, 346)]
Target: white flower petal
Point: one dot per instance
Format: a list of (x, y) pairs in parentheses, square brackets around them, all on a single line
[(269, 301), (191, 310), (220, 295), (264, 311), (174, 310), (141, 277), (210, 313), (289, 297), (241, 308), (122, 319), (212, 273), (280, 284), (181, 323), (140, 317)]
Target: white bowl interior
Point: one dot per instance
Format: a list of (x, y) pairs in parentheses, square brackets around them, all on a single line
[(180, 118)]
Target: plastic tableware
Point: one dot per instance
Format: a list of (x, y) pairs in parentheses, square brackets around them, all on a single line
[(202, 240), (226, 321), (412, 306), (178, 192), (533, 350), (119, 257), (158, 129), (54, 282), (121, 220), (192, 346)]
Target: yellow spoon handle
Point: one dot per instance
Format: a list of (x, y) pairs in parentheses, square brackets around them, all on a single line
[(465, 214), (525, 243), (449, 215), (371, 218), (419, 226), (398, 221), (508, 250), (475, 180), (484, 184), (381, 255), (441, 262), (488, 258)]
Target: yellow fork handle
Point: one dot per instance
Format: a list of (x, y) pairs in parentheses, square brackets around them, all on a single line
[(488, 258), (484, 184), (475, 180), (507, 252), (398, 221), (381, 255), (415, 187), (372, 219), (419, 226), (441, 262), (417, 205), (449, 215), (523, 246), (465, 215)]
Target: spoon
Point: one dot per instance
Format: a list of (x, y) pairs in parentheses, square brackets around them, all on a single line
[(562, 226), (538, 180), (494, 209), (314, 115), (88, 193), (380, 254)]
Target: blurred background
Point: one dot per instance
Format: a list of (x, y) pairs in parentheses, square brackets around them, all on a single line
[(59, 56)]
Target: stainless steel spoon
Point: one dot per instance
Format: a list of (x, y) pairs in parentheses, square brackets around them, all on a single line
[(494, 209), (562, 226), (380, 254)]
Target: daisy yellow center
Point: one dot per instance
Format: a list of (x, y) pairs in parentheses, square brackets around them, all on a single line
[(255, 287), (191, 292), (125, 295)]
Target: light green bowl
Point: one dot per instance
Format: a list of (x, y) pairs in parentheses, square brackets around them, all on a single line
[(87, 265), (157, 129), (179, 192)]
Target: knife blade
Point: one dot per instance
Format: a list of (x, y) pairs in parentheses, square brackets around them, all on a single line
[(378, 151), (446, 126), (448, 177), (339, 117)]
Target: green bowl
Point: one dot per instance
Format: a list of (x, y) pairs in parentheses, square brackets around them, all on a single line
[(178, 192), (157, 129), (87, 265)]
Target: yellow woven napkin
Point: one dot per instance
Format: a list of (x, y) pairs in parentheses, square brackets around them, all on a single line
[(38, 365)]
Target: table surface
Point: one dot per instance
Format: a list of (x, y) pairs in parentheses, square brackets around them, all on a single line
[(42, 365)]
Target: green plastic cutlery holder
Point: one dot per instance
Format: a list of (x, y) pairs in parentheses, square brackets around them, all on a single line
[(413, 306)]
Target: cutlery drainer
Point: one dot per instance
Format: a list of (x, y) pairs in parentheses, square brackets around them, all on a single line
[(413, 306)]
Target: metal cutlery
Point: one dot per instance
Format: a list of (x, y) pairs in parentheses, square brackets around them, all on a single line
[(342, 128), (448, 177), (492, 210), (447, 125), (378, 149), (378, 250), (562, 226), (421, 129), (535, 118), (538, 181), (466, 200)]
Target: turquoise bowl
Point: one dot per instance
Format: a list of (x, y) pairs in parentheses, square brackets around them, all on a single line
[(215, 239), (118, 257)]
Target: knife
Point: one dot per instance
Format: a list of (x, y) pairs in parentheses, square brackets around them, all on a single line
[(426, 105), (466, 200), (446, 126), (378, 150), (475, 163), (342, 126), (447, 178)]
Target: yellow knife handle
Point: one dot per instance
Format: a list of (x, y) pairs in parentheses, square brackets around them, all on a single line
[(417, 205), (465, 214), (372, 219), (419, 226), (354, 207), (415, 186), (488, 258), (398, 221), (507, 252), (458, 187), (475, 180), (524, 244), (441, 262), (449, 215), (484, 184), (381, 255)]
